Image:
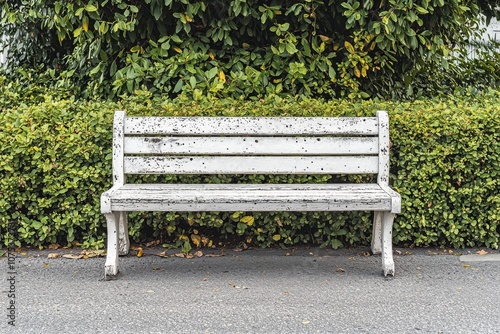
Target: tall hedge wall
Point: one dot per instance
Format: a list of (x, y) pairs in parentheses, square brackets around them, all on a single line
[(55, 161)]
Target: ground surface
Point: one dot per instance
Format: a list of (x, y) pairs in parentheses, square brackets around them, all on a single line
[(257, 291)]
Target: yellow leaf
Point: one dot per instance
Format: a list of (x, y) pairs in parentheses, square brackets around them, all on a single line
[(245, 45), (357, 73), (249, 220), (196, 239), (188, 19), (140, 252), (178, 50), (210, 54), (276, 237), (85, 23), (324, 38), (349, 47), (222, 76)]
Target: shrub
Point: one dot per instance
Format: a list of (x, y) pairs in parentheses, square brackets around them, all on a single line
[(238, 48), (55, 163)]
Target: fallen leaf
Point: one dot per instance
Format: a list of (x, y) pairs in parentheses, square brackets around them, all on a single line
[(397, 251), (73, 256), (466, 266), (189, 256), (198, 254), (53, 256), (152, 243), (24, 254), (237, 249), (140, 252), (156, 268), (180, 255), (482, 252), (214, 255), (196, 239), (162, 254), (54, 246), (306, 322), (46, 264), (340, 270)]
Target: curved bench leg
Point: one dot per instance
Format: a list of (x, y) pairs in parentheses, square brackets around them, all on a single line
[(387, 260), (377, 233), (111, 265), (123, 240)]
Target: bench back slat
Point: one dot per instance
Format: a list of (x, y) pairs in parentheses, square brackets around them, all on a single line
[(271, 126), (251, 165), (252, 145)]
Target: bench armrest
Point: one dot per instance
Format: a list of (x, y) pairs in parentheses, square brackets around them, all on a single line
[(396, 198), (106, 198)]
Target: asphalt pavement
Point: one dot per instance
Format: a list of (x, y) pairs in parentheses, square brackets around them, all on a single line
[(304, 290)]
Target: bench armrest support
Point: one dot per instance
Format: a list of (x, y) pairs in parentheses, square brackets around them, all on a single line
[(106, 199), (396, 199)]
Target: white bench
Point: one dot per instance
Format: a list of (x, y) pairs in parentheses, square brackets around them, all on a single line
[(250, 145)]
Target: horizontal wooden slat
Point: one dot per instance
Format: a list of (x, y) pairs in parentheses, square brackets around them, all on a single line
[(243, 197), (251, 165), (274, 126), (252, 145)]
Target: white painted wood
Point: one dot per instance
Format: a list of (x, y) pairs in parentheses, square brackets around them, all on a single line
[(118, 135), (123, 239), (383, 134), (252, 145), (272, 126), (251, 165), (376, 245), (111, 265), (396, 198), (387, 259), (246, 197), (225, 145)]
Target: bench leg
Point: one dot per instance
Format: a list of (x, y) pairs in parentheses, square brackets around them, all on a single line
[(111, 265), (377, 232), (123, 240), (387, 260)]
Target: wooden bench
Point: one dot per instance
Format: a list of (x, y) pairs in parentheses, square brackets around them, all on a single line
[(250, 145)]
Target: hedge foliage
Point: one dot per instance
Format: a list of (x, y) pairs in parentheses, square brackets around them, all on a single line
[(239, 48), (55, 161)]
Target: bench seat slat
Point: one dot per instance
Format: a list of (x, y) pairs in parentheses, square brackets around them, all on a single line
[(273, 126), (246, 197), (251, 165), (252, 145)]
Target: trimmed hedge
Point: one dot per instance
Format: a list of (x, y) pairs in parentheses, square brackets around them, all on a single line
[(55, 161)]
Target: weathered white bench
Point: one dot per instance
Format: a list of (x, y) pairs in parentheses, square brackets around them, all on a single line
[(250, 145)]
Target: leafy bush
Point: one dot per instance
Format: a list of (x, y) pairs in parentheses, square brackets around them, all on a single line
[(237, 48), (55, 161)]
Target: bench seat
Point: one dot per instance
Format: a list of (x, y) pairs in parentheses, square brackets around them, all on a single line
[(251, 197)]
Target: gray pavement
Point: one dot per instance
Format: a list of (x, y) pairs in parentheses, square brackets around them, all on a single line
[(307, 290)]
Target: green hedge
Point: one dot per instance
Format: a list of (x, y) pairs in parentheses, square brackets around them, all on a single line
[(55, 161)]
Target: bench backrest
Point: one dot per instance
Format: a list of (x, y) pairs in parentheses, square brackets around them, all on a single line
[(250, 145)]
